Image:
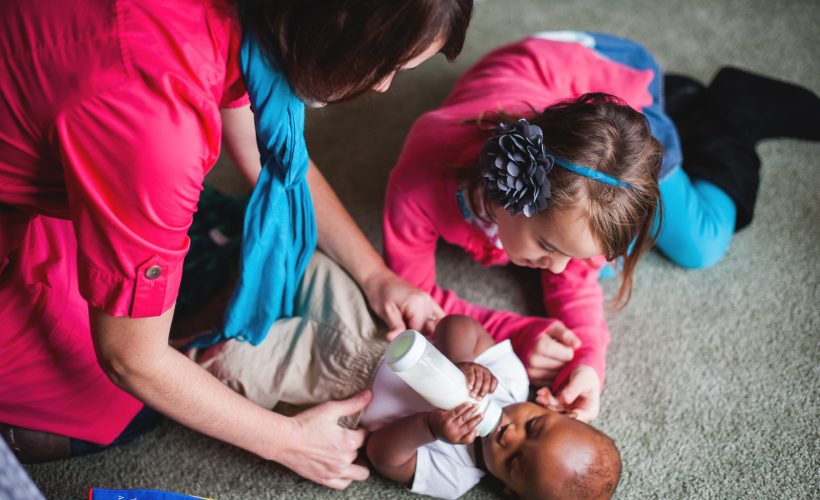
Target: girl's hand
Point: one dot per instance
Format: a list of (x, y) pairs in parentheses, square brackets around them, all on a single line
[(480, 380), (456, 426), (401, 305), (553, 349), (322, 451), (579, 398)]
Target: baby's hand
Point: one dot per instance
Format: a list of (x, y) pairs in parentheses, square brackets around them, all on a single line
[(456, 426), (554, 348), (480, 380)]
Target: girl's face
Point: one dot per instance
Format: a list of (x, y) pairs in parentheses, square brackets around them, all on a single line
[(432, 50), (548, 240)]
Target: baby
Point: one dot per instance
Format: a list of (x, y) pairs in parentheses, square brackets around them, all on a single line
[(537, 452)]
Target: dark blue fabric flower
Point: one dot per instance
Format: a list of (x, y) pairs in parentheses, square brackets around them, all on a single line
[(515, 164)]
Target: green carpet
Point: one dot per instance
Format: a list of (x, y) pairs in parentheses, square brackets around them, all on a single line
[(713, 386)]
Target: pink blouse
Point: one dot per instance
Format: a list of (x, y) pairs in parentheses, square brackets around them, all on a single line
[(109, 121)]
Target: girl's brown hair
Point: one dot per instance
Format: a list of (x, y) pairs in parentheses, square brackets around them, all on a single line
[(601, 132), (335, 50)]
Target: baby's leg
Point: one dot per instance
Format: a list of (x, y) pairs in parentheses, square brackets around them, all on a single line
[(329, 351), (461, 338)]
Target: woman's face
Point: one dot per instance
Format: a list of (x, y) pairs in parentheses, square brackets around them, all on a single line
[(549, 239), (432, 50)]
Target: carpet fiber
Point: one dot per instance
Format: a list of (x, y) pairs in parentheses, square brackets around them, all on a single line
[(713, 387)]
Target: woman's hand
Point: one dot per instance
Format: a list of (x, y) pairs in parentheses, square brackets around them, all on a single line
[(398, 303), (580, 397), (321, 450), (401, 305), (553, 349)]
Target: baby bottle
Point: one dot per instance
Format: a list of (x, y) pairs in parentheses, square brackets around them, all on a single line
[(436, 378)]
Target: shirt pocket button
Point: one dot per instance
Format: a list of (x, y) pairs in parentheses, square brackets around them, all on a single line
[(153, 272)]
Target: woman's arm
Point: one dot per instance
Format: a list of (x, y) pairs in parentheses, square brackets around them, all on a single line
[(398, 303), (239, 138), (135, 355)]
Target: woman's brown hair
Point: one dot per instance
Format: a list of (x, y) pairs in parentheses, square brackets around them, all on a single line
[(335, 50), (601, 132)]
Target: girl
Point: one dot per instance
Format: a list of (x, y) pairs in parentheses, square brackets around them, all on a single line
[(113, 112), (593, 191), (596, 199)]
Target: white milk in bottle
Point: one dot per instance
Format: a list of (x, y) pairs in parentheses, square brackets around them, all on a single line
[(436, 378)]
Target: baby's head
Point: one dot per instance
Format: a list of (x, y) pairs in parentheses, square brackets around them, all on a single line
[(578, 180), (542, 454)]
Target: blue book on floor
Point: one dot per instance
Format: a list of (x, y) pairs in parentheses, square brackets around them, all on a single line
[(104, 494)]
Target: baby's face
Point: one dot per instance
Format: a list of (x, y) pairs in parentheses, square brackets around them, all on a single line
[(535, 450)]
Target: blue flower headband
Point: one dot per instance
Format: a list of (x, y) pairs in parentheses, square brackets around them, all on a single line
[(515, 164)]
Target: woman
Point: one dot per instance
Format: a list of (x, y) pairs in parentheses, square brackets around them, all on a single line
[(112, 115)]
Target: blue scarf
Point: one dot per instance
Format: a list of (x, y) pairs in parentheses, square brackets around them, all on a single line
[(280, 224)]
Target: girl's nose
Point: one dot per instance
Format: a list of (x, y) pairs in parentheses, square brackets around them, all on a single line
[(556, 264)]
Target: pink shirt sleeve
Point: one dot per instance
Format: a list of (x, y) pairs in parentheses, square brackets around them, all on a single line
[(410, 241), (575, 297), (134, 159), (235, 93)]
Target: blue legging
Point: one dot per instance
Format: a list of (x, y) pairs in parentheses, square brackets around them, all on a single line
[(698, 217), (698, 221)]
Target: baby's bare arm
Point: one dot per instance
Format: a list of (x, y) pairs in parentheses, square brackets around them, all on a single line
[(392, 448), (461, 338)]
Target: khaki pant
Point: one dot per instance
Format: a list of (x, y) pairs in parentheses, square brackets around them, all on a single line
[(329, 351)]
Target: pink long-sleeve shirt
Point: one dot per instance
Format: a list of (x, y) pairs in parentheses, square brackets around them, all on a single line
[(109, 121), (421, 204)]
